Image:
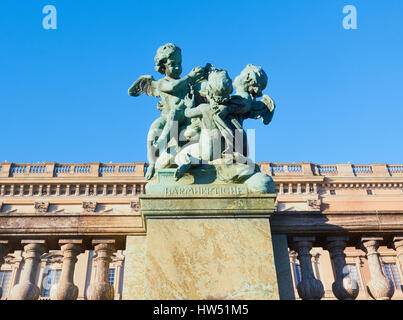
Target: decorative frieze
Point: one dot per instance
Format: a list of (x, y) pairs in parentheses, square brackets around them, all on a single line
[(313, 204), (135, 205), (41, 207), (89, 206)]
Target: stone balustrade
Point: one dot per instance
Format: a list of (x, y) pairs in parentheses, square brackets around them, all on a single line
[(64, 289), (345, 287), (309, 288), (137, 169)]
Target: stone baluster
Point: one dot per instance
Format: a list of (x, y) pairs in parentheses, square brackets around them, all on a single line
[(281, 188), (309, 288), (299, 188), (100, 289), (26, 289), (398, 244), (4, 249), (77, 190), (380, 287), (290, 188), (65, 288), (344, 287)]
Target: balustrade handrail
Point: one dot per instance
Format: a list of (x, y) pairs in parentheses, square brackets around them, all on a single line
[(52, 169), (97, 169)]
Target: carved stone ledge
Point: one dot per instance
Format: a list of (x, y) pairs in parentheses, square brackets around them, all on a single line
[(53, 257), (11, 259)]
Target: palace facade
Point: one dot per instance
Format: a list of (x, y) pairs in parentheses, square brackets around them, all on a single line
[(64, 223)]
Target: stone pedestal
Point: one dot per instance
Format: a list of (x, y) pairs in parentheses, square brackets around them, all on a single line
[(203, 242)]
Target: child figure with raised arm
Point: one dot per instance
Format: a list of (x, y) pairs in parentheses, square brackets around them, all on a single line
[(172, 90), (249, 86)]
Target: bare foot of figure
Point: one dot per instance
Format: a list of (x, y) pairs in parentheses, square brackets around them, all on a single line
[(150, 171), (180, 172)]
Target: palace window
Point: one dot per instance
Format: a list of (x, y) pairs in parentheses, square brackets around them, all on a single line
[(369, 192), (333, 192), (111, 276), (298, 274), (5, 277), (392, 273), (50, 278), (353, 273)]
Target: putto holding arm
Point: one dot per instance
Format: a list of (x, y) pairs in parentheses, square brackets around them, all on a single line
[(200, 129), (172, 90)]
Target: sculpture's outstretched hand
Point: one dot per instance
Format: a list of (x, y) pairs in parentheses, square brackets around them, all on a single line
[(263, 109), (269, 102), (144, 84), (197, 74)]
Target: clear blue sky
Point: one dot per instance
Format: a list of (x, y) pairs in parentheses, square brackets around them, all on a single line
[(63, 93)]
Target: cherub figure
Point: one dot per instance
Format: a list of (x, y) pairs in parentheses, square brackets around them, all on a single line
[(172, 90), (209, 147), (249, 85)]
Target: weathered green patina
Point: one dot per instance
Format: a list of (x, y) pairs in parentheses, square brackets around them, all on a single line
[(199, 138)]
